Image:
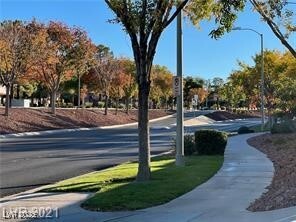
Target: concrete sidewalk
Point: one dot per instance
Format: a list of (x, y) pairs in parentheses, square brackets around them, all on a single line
[(224, 198)]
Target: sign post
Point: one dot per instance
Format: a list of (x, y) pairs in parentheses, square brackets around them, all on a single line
[(176, 86)]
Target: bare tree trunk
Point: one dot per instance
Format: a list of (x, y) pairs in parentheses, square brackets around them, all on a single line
[(52, 102), (144, 134), (116, 108), (127, 105), (11, 95), (7, 100), (270, 122), (78, 100), (18, 91), (106, 104), (166, 104), (82, 101), (218, 106)]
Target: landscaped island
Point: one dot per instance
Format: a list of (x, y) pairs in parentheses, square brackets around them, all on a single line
[(29, 120)]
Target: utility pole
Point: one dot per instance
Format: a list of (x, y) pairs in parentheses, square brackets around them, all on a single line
[(262, 84), (180, 116)]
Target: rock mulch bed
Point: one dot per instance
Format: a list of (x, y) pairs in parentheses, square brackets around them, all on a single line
[(29, 120), (223, 115), (281, 150)]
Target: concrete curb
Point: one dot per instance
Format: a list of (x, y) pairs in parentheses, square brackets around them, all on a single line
[(47, 132)]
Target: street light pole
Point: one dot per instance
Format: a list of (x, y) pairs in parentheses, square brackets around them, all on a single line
[(262, 84), (180, 117), (262, 71)]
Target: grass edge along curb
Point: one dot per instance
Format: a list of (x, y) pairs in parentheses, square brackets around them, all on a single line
[(116, 189)]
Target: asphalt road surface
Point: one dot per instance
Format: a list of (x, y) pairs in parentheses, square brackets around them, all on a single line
[(31, 161)]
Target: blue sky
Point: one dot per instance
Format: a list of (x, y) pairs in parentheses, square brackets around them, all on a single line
[(203, 56)]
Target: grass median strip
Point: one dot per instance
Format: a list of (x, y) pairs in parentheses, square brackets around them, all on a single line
[(116, 189)]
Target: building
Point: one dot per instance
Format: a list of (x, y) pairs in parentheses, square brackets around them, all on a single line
[(2, 95)]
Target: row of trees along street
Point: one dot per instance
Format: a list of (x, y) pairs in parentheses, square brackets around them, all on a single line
[(243, 86), (56, 59), (54, 53)]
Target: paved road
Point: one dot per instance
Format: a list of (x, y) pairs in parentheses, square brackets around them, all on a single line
[(31, 161)]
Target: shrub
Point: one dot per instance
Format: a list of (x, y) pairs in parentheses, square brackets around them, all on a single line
[(61, 105), (210, 142), (189, 145), (69, 105), (244, 129), (121, 106), (88, 104), (101, 104), (288, 126), (214, 107)]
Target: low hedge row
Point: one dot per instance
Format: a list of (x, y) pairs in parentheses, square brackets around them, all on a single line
[(244, 129), (205, 142), (287, 126)]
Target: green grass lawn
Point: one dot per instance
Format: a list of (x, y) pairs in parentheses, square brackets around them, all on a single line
[(116, 188)]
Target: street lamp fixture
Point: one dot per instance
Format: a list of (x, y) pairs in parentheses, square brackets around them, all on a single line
[(262, 70)]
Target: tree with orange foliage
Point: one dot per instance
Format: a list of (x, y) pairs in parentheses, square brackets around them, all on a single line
[(106, 69), (128, 67), (200, 92), (161, 86), (82, 56), (53, 61), (15, 51), (83, 93), (117, 85)]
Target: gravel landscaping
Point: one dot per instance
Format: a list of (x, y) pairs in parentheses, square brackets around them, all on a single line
[(281, 150), (30, 120), (223, 115)]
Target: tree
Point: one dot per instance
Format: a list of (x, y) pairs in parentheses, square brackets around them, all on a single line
[(165, 82), (83, 93), (117, 87), (82, 56), (290, 65), (279, 82), (105, 70), (272, 67), (144, 21), (155, 91), (279, 18), (286, 94), (53, 45), (15, 52), (161, 84), (130, 86), (200, 92), (90, 80), (248, 81), (232, 94), (190, 85), (217, 84), (67, 89)]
